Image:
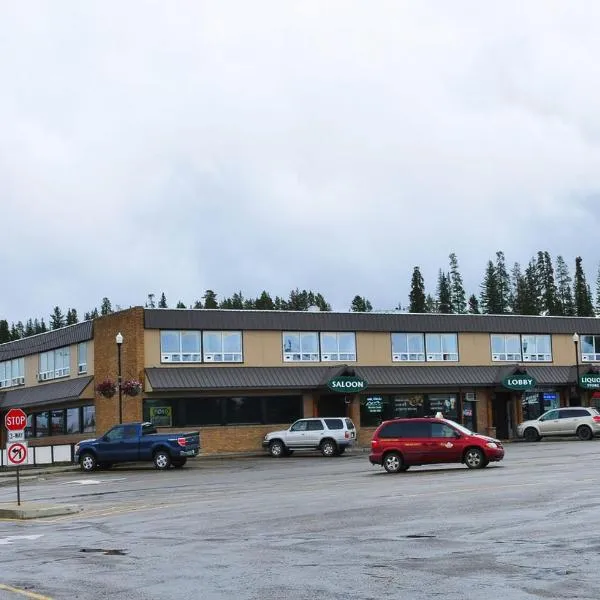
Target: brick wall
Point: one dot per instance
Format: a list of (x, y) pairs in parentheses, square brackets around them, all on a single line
[(130, 323)]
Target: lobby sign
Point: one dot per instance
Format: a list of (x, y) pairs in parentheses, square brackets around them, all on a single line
[(347, 384), (519, 383), (590, 381)]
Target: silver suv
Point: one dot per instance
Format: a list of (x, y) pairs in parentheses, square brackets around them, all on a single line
[(580, 421), (330, 435)]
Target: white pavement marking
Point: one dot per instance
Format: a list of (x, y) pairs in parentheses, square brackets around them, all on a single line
[(93, 481), (15, 538)]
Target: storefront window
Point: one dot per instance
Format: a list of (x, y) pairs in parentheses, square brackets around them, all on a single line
[(286, 409), (89, 419), (41, 424), (408, 406), (373, 410), (57, 422), (201, 411), (73, 420), (446, 404), (242, 410)]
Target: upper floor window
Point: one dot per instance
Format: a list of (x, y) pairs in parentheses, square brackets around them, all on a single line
[(536, 348), (441, 346), (338, 346), (521, 348), (12, 372), (55, 363), (82, 358), (222, 346), (300, 346), (408, 346), (590, 348), (180, 346), (419, 347)]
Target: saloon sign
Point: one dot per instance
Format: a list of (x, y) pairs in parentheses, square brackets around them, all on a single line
[(347, 384), (590, 381), (519, 382)]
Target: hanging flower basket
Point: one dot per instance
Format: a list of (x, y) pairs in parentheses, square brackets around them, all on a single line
[(131, 387), (107, 388)]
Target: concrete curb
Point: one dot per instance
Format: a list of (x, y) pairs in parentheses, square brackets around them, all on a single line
[(31, 510)]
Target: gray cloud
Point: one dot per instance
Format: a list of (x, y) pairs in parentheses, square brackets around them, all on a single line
[(268, 145)]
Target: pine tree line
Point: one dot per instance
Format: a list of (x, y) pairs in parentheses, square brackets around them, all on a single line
[(543, 287)]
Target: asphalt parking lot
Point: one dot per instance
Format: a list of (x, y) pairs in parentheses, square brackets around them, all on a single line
[(310, 527)]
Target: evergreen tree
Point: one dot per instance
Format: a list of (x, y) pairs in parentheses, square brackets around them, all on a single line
[(532, 295), (502, 283), (4, 332), (150, 302), (37, 328), (264, 302), (583, 298), (298, 300), (57, 319), (43, 327), (162, 303), (198, 304), (180, 304), (444, 294), (249, 304), (457, 290), (72, 317), (210, 299), (598, 292), (20, 330), (360, 304), (417, 292), (566, 304), (280, 304), (29, 330), (320, 301), (14, 333), (106, 307), (490, 300), (548, 293), (473, 305), (237, 301), (431, 304)]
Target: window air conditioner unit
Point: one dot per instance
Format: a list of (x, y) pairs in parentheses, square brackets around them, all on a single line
[(586, 357), (288, 357), (470, 396), (165, 358), (430, 357), (396, 357), (496, 357), (528, 357), (209, 357), (82, 369), (325, 357)]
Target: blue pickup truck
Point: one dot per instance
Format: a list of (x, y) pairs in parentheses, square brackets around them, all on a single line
[(137, 442)]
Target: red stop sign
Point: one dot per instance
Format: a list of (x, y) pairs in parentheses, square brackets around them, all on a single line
[(15, 419)]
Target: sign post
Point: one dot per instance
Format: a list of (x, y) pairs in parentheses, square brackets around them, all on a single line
[(15, 421)]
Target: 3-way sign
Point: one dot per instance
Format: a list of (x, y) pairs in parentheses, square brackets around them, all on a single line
[(15, 422)]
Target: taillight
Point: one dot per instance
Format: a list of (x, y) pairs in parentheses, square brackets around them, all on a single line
[(347, 434), (374, 443), (596, 419), (181, 441)]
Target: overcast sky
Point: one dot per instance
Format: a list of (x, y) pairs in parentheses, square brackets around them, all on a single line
[(235, 145)]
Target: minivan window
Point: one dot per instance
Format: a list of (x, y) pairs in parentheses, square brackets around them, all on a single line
[(574, 412), (334, 423), (406, 429), (441, 430), (550, 416)]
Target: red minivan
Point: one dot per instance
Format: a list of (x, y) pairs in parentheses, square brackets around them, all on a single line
[(401, 443)]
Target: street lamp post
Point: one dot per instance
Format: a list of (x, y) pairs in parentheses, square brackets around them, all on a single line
[(119, 340), (576, 343)]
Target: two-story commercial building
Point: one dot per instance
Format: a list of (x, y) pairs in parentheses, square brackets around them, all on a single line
[(236, 374)]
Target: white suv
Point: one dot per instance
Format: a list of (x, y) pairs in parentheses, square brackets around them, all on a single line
[(330, 435), (577, 420)]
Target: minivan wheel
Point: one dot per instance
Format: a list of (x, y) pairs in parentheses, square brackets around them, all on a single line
[(584, 433), (475, 459), (277, 449), (392, 463), (328, 448), (531, 435)]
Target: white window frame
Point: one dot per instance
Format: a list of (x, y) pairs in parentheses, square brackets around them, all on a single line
[(505, 356), (12, 372), (536, 356), (60, 356), (443, 355), (82, 349), (222, 356), (300, 356), (181, 356), (589, 357), (408, 356), (337, 356)]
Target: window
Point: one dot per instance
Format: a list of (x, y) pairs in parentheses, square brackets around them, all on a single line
[(57, 422), (200, 411), (338, 346), (441, 430), (299, 426), (590, 348), (12, 372), (551, 416), (283, 410), (445, 404), (315, 425), (73, 420), (243, 410), (82, 358), (180, 346), (41, 424), (408, 347), (573, 413), (300, 346), (222, 346), (89, 419), (408, 406), (334, 423), (80, 419), (536, 348), (406, 429), (506, 347), (441, 346), (55, 363), (115, 434)]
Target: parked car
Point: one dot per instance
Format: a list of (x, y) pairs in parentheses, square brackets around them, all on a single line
[(580, 421), (330, 435), (400, 444), (136, 442)]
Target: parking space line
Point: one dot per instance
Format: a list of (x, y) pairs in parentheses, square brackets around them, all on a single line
[(26, 593)]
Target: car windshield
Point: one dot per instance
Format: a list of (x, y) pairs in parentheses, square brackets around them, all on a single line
[(459, 427)]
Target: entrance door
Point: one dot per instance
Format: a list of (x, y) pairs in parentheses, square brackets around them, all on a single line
[(332, 405), (501, 405)]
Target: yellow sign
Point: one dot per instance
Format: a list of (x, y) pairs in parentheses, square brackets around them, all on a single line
[(161, 416)]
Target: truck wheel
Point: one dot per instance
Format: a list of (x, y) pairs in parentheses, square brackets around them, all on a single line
[(177, 464), (328, 448), (162, 460), (277, 449), (88, 462)]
